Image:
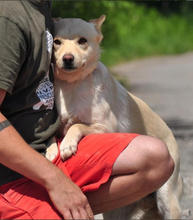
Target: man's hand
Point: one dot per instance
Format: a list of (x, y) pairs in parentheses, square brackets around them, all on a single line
[(68, 198)]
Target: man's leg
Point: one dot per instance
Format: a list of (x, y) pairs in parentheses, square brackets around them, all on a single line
[(143, 167)]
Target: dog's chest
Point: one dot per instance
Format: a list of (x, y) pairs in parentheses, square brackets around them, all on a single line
[(74, 104)]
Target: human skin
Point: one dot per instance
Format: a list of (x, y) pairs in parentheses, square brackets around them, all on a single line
[(65, 195), (143, 167), (132, 179)]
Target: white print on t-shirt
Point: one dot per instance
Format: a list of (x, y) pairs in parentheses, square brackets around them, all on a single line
[(45, 93), (49, 42)]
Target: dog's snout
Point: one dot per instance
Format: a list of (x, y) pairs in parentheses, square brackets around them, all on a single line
[(68, 58)]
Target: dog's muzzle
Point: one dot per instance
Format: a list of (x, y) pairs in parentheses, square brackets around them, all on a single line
[(68, 61)]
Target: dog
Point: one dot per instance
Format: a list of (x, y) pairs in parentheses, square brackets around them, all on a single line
[(89, 100)]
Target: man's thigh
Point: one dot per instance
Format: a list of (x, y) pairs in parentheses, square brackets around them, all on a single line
[(92, 164), (89, 168)]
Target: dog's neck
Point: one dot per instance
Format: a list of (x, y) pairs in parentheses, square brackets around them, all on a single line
[(71, 77)]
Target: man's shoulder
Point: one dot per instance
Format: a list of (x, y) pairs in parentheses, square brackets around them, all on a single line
[(11, 8), (14, 11)]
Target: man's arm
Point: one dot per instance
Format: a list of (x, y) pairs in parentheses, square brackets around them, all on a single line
[(65, 195)]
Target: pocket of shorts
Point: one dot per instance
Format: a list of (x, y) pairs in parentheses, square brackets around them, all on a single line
[(10, 211), (15, 191), (2, 197)]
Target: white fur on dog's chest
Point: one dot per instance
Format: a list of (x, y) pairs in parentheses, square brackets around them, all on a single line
[(90, 101), (74, 102)]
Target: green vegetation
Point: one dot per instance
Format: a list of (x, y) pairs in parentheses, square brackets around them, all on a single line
[(134, 30)]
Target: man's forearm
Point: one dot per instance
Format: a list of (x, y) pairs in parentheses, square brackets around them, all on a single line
[(17, 155)]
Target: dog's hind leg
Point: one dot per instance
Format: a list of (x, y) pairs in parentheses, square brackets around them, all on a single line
[(143, 209), (168, 199), (122, 213)]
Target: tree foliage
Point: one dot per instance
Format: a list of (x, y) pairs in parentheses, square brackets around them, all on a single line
[(135, 29)]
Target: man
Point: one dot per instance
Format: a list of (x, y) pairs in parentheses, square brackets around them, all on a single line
[(32, 187)]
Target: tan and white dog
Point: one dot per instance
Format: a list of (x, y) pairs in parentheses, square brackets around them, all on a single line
[(90, 100)]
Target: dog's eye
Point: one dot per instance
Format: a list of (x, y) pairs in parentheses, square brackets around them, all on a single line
[(57, 42), (82, 40)]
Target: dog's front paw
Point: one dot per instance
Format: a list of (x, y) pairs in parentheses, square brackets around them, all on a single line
[(51, 152), (68, 148)]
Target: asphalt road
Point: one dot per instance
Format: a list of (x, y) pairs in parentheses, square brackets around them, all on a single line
[(166, 85)]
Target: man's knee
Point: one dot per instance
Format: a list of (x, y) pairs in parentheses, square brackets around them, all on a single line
[(160, 163), (147, 156)]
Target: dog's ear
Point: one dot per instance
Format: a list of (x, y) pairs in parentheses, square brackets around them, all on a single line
[(98, 23)]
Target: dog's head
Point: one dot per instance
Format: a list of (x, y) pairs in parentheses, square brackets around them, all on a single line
[(76, 47)]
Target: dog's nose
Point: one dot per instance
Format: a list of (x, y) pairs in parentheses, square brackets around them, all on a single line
[(68, 58)]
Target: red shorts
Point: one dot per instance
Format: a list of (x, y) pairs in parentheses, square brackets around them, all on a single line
[(89, 168)]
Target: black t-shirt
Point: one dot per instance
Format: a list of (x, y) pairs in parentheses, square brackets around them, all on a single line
[(26, 41)]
